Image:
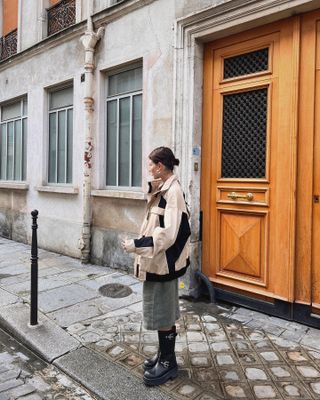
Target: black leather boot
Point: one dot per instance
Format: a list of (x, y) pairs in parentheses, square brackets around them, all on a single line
[(151, 362), (166, 367)]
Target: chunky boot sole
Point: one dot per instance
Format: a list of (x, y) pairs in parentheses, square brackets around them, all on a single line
[(171, 374)]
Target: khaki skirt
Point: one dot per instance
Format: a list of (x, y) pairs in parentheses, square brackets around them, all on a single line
[(160, 304)]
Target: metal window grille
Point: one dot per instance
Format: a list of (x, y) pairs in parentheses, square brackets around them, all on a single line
[(123, 139), (61, 16), (246, 64), (8, 45), (13, 145), (60, 136), (244, 134)]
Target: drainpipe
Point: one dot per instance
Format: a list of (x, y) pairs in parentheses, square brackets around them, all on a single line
[(89, 41)]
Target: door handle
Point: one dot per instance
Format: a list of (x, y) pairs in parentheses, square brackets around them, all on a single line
[(235, 196)]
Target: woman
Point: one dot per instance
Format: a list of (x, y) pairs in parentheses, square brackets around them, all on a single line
[(162, 256)]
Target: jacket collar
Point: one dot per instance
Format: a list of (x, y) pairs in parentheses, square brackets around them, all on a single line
[(158, 186)]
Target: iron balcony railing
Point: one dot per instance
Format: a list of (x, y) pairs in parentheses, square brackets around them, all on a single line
[(8, 45), (61, 16)]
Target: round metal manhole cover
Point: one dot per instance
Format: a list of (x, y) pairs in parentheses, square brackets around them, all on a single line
[(115, 290)]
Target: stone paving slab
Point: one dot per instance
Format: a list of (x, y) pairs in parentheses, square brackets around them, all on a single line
[(7, 298), (77, 312), (65, 296), (44, 283), (23, 376)]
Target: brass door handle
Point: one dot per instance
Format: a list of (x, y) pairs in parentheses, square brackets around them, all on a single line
[(235, 196)]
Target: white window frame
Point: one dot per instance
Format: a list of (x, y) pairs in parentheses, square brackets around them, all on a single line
[(118, 97), (57, 111), (23, 117)]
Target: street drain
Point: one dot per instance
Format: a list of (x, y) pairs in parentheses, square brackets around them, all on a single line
[(115, 290)]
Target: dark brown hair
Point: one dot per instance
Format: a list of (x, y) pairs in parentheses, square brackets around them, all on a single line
[(165, 156)]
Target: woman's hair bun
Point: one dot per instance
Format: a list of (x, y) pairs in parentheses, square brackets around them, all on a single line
[(165, 156)]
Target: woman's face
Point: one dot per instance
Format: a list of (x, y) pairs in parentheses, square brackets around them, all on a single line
[(154, 169)]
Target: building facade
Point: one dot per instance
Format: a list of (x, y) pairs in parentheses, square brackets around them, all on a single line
[(89, 88)]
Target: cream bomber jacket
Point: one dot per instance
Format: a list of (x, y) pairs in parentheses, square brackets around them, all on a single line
[(162, 250)]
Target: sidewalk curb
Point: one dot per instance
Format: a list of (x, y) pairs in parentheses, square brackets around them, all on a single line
[(48, 339), (104, 378)]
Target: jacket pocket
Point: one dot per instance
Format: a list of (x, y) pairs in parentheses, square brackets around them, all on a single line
[(156, 265)]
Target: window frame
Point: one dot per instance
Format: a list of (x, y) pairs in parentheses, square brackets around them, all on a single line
[(23, 117), (117, 98), (56, 111)]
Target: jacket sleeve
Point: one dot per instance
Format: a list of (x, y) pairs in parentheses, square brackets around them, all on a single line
[(162, 238)]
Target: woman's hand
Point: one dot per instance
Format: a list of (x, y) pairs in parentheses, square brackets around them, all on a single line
[(128, 245)]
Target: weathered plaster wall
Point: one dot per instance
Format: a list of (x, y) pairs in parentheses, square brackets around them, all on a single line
[(28, 29), (59, 214), (12, 215), (185, 7), (114, 220)]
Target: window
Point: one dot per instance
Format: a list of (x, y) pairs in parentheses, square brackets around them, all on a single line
[(60, 135), (13, 141), (124, 128)]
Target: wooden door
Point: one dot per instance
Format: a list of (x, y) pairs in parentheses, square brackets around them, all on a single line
[(307, 287), (248, 161)]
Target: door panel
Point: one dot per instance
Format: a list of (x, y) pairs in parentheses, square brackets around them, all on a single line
[(307, 271), (248, 170), (316, 184), (243, 246)]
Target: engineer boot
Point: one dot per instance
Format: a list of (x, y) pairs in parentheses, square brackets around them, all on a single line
[(166, 367)]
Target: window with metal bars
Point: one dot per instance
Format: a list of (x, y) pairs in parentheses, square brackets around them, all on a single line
[(60, 136), (244, 133), (124, 129), (246, 64), (13, 141)]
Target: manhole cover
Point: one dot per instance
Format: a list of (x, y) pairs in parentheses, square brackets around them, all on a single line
[(115, 290)]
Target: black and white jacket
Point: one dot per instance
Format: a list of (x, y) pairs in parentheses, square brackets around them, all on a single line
[(162, 250)]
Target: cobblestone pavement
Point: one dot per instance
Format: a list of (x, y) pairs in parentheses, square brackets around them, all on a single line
[(224, 352), (24, 376), (219, 358)]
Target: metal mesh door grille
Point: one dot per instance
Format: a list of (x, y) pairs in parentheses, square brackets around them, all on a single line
[(245, 64), (244, 134)]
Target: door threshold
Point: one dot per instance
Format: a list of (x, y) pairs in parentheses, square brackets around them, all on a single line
[(278, 308)]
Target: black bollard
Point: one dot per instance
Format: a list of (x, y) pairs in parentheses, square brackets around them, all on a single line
[(34, 270)]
